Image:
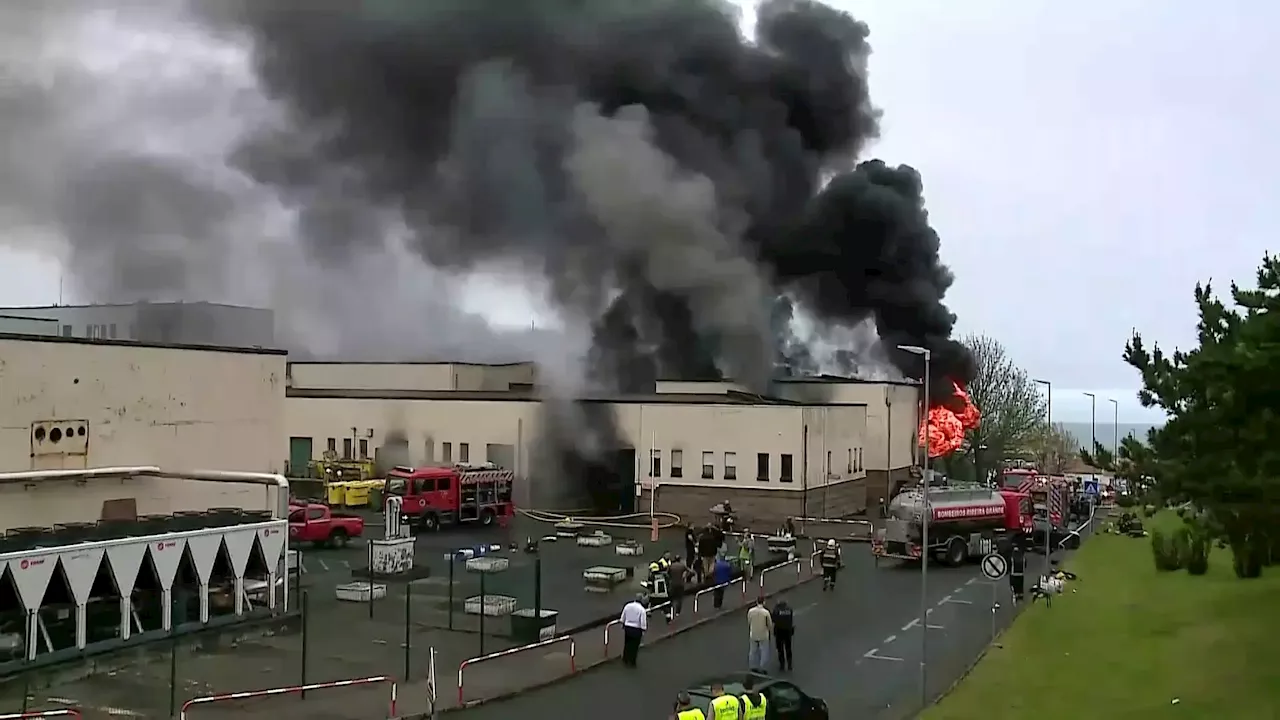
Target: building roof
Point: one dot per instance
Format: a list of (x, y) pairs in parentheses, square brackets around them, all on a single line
[(20, 308), (529, 394), (410, 362), (15, 337)]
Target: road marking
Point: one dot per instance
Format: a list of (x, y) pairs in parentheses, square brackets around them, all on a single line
[(323, 566), (971, 581), (346, 564), (950, 599), (890, 639), (916, 623), (873, 654), (806, 608)]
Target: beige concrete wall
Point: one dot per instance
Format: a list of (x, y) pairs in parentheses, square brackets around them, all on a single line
[(684, 387), (429, 425), (743, 431), (408, 376), (137, 406), (891, 416), (371, 376)]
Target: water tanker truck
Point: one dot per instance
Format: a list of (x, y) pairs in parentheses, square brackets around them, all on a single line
[(963, 522)]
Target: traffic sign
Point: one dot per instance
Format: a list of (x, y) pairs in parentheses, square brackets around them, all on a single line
[(994, 566), (1090, 487)]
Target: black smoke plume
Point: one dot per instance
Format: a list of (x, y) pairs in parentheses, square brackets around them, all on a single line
[(466, 116)]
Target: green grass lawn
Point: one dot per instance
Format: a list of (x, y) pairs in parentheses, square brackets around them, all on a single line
[(1125, 641)]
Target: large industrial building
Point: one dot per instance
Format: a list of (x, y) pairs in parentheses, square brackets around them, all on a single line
[(184, 323), (816, 447), (72, 404)]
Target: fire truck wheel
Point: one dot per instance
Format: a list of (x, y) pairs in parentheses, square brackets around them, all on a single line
[(957, 552), (429, 522), (486, 518)]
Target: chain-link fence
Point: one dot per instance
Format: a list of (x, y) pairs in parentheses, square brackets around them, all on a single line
[(490, 594)]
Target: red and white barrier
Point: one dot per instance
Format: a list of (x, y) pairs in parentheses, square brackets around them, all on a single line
[(573, 658), (61, 712), (289, 690), (722, 586)]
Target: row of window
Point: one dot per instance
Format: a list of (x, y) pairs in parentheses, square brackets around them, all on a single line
[(729, 465), (361, 445), (95, 332)]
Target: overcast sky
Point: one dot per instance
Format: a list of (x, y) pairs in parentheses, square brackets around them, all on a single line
[(1085, 164)]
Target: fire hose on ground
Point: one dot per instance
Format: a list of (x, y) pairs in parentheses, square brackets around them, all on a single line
[(638, 521)]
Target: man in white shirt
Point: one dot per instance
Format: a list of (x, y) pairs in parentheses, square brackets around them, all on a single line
[(635, 620), (760, 631)]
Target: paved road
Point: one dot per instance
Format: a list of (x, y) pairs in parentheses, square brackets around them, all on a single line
[(858, 648)]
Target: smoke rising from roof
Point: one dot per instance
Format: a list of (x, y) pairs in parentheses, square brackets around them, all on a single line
[(345, 161)]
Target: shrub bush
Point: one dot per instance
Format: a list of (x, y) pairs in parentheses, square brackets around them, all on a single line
[(1198, 554), (1164, 551), (1126, 500)]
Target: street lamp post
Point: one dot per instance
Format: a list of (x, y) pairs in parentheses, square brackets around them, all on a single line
[(925, 511), (1048, 418), (1115, 429), (1048, 402), (1093, 434)]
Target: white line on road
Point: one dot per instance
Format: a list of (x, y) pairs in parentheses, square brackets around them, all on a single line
[(950, 599), (346, 564), (323, 566), (916, 623), (874, 654), (890, 639), (806, 608), (971, 581)]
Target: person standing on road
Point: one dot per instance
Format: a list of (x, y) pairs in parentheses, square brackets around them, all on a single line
[(723, 705), (1017, 571), (708, 547), (783, 629), (690, 546), (677, 577), (830, 560), (760, 632), (685, 709), (721, 573), (635, 620)]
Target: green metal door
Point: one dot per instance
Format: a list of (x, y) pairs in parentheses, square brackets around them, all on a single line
[(299, 456)]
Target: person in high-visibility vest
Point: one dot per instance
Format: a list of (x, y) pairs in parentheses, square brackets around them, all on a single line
[(723, 705), (753, 702), (685, 709)]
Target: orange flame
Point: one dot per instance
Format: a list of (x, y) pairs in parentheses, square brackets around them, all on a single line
[(944, 428)]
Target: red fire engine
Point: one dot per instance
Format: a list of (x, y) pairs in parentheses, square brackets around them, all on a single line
[(437, 496), (962, 523), (1051, 499)]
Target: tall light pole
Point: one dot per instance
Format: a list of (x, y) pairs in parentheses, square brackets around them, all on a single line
[(925, 511), (1093, 431), (1115, 428), (1048, 418), (1048, 400)]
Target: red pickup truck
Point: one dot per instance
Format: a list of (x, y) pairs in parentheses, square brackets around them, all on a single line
[(316, 523)]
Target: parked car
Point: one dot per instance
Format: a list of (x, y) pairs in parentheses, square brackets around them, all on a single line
[(786, 701), (317, 524)]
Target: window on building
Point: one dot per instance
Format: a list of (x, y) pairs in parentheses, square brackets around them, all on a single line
[(785, 471), (446, 453), (364, 449), (762, 466), (677, 463), (708, 466), (429, 451), (731, 466), (827, 475), (346, 448), (66, 331), (111, 331), (464, 452), (849, 462), (857, 461), (655, 463), (332, 445)]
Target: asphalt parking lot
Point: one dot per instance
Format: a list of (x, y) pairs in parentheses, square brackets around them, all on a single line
[(858, 648)]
